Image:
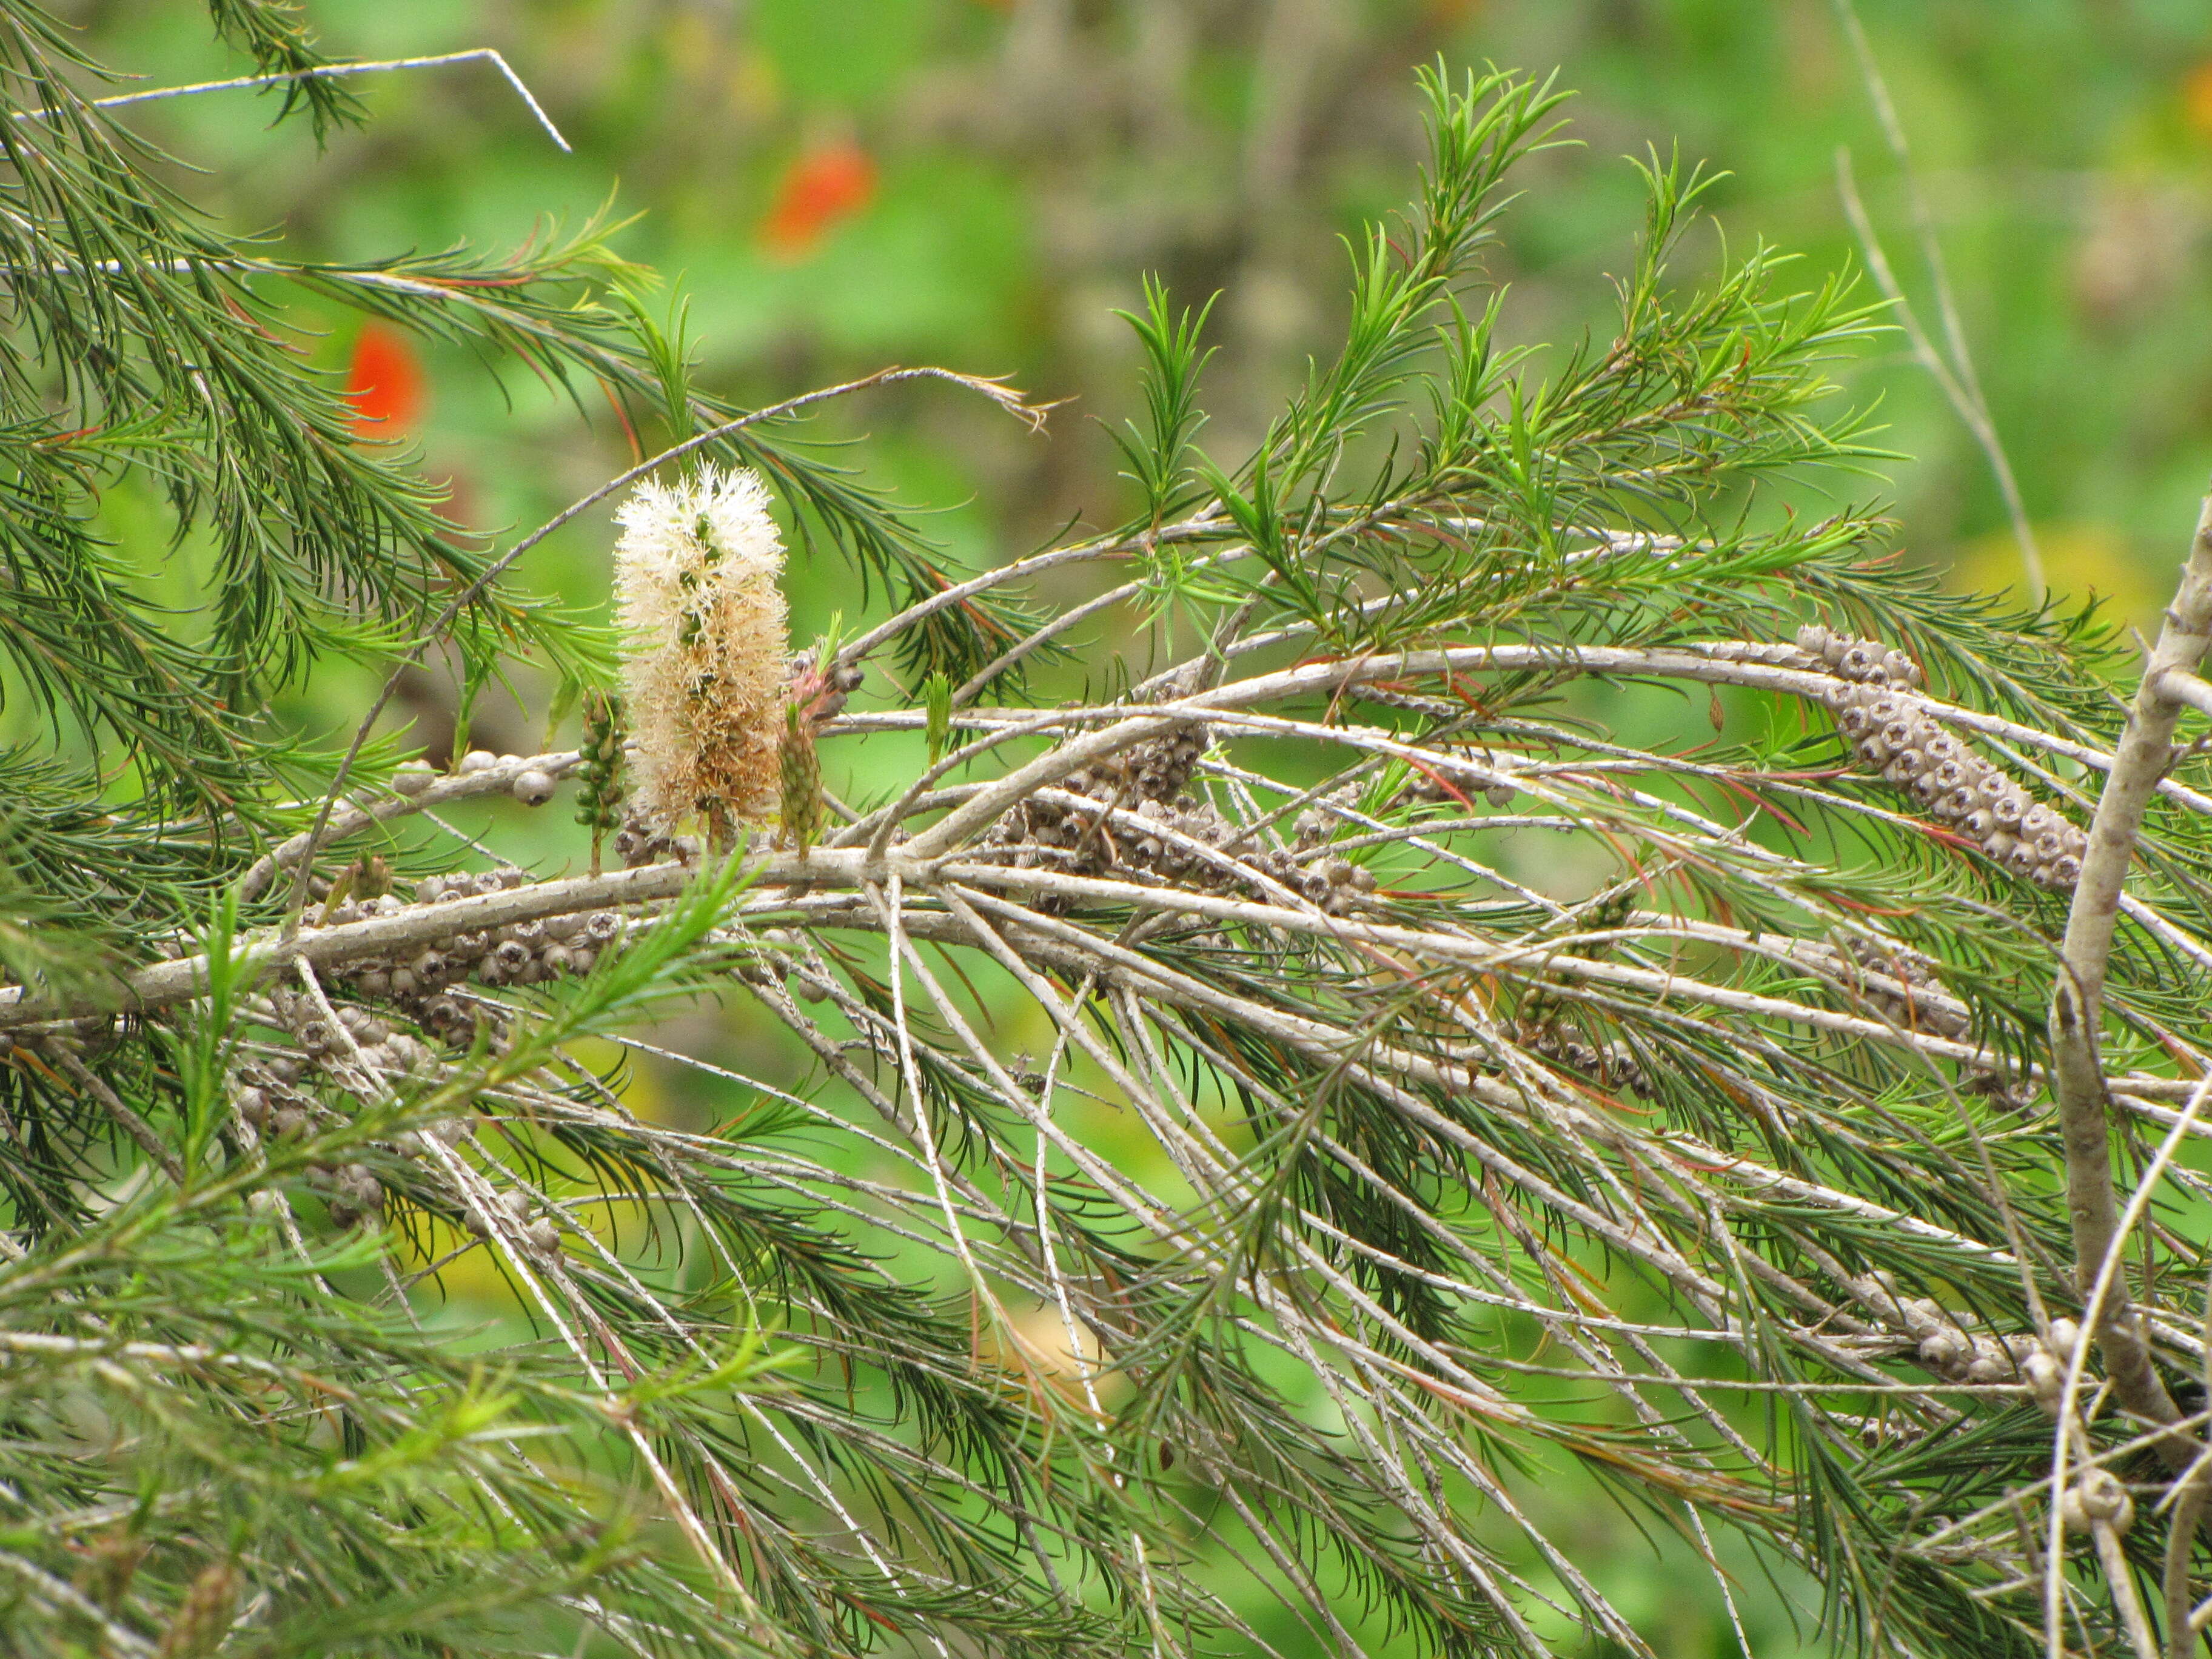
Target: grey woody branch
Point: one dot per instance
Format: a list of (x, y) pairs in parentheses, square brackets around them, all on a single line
[(2140, 762), (497, 779)]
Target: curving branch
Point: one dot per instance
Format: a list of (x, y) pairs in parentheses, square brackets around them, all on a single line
[(2141, 760)]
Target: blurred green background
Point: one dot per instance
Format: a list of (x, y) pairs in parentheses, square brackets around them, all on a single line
[(838, 185)]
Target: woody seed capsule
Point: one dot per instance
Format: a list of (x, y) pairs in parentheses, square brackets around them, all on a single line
[(531, 787)]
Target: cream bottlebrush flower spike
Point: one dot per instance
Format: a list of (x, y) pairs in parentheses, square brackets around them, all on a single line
[(706, 646)]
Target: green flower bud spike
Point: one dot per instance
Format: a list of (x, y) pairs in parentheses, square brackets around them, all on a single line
[(600, 794), (801, 769)]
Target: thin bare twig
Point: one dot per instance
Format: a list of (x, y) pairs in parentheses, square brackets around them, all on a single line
[(1955, 375), (150, 1141)]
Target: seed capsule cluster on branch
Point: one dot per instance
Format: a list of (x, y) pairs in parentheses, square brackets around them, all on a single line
[(347, 1037), (2097, 1498), (1947, 1347), (1544, 1024), (1890, 733), (538, 1233), (640, 842), (1147, 780), (1612, 1065), (1446, 774), (1914, 999), (1457, 784), (265, 1095), (1948, 1344), (529, 785), (525, 953)]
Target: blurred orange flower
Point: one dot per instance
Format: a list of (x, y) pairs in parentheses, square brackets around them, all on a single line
[(819, 192), (384, 382), (2197, 99)]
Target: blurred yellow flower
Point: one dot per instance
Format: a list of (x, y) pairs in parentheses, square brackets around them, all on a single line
[(2197, 99), (2079, 561)]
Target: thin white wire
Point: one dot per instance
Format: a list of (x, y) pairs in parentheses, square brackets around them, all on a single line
[(331, 71)]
